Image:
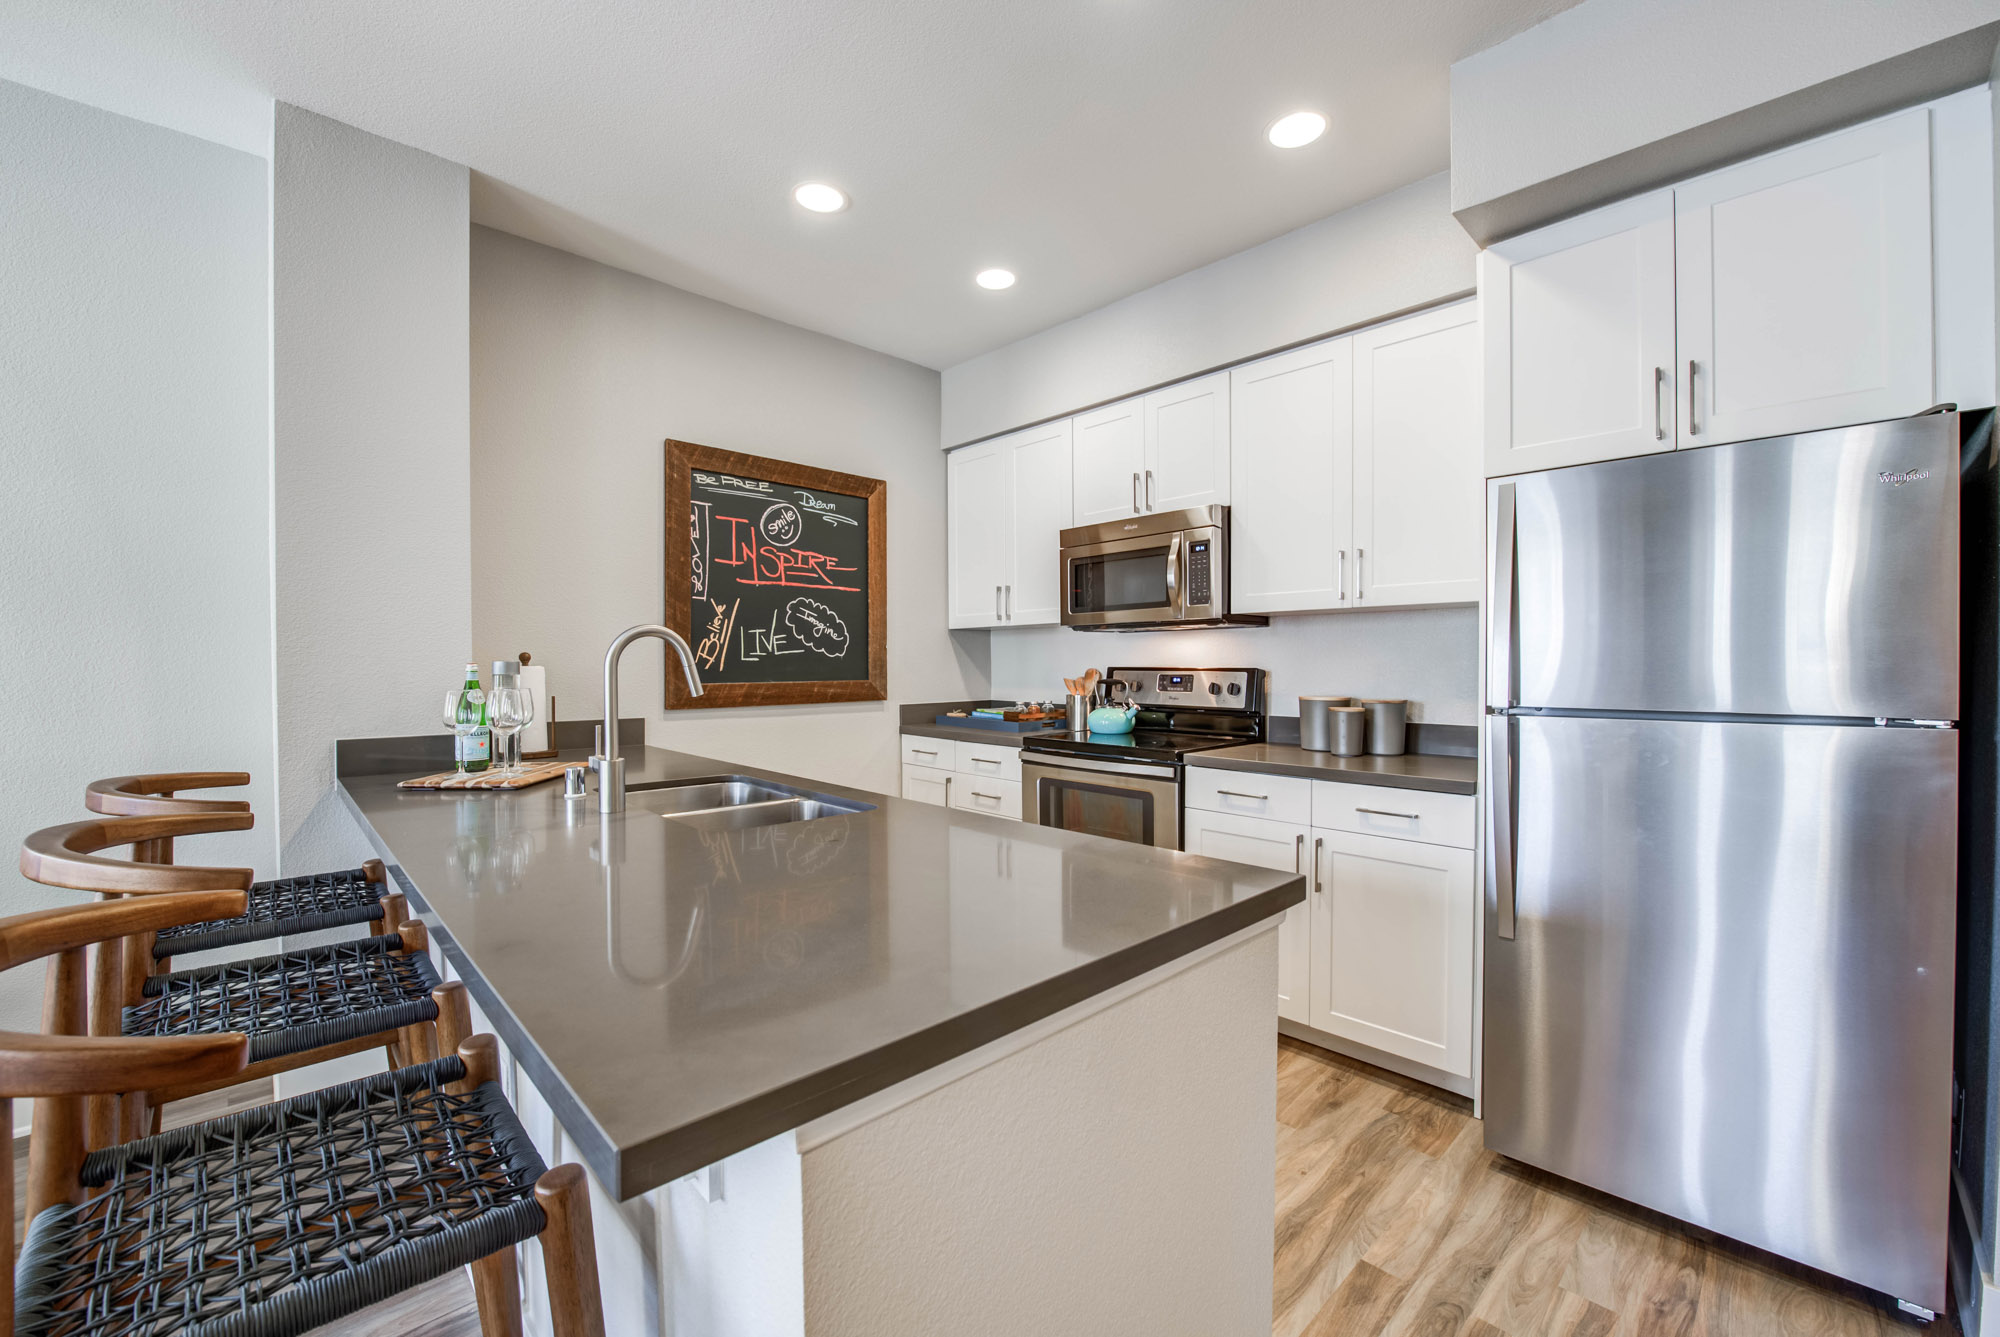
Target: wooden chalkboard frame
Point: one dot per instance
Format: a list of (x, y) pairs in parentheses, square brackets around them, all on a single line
[(683, 458)]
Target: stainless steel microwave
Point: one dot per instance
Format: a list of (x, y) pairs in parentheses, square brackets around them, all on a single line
[(1170, 569)]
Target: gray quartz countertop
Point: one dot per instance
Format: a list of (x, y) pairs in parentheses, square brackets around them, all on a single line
[(1000, 737), (1412, 770), (679, 994)]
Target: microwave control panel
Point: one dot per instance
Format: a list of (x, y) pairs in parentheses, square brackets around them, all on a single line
[(1200, 574)]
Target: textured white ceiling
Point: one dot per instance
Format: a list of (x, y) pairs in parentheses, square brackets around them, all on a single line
[(1093, 146)]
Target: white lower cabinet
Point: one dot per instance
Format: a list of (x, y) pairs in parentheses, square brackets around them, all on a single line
[(927, 786), (1263, 843), (995, 798), (977, 777), (1393, 926), (1381, 950)]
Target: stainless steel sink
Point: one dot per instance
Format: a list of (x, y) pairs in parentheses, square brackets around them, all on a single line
[(735, 801)]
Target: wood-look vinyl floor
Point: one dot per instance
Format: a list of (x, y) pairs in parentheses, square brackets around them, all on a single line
[(1394, 1221)]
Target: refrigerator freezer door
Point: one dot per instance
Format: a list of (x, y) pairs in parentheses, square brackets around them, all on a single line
[(1729, 995), (1803, 575)]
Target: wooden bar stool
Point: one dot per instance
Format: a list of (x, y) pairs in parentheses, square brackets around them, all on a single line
[(296, 1007), (279, 1219), (279, 907)]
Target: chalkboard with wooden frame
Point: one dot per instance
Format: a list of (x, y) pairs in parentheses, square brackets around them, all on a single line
[(777, 576)]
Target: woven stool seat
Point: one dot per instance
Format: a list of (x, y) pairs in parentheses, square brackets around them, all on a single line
[(286, 1217), (284, 905), (294, 1001)]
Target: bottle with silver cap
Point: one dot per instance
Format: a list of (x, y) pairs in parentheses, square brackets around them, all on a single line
[(506, 674)]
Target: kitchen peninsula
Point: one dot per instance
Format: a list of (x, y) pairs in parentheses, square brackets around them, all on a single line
[(894, 1068)]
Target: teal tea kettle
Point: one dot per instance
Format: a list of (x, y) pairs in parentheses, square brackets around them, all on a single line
[(1113, 719)]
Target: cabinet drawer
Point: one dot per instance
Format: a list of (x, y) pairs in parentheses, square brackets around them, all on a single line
[(926, 785), (1404, 814), (937, 753), (989, 762), (1282, 798), (995, 798)]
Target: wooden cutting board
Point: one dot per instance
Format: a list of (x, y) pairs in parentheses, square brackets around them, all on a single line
[(532, 775)]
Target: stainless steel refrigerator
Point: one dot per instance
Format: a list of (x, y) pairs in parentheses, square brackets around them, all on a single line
[(1721, 801)]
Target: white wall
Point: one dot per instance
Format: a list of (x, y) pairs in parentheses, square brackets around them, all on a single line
[(580, 373), (1612, 76), (370, 500), (1430, 656), (1399, 251), (134, 575)]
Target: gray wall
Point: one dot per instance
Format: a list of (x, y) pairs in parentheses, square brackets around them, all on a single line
[(1429, 656), (579, 373), (1394, 253), (371, 504), (134, 571)]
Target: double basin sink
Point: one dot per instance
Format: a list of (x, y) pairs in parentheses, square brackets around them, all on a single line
[(731, 802)]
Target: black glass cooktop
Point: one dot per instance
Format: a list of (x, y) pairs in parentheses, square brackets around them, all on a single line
[(1139, 745)]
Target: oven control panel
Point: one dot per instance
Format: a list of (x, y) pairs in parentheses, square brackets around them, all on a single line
[(1188, 688)]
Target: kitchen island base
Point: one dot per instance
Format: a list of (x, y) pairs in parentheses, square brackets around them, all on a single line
[(1107, 1170)]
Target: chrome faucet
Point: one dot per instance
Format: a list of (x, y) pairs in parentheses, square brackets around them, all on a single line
[(610, 767)]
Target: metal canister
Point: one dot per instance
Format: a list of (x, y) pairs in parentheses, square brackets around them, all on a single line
[(1349, 726), (1079, 713), (1315, 724), (1386, 722)]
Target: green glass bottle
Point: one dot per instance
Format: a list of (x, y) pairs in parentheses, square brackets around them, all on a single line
[(475, 740)]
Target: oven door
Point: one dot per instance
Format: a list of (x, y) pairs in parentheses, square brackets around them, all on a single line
[(1117, 800), (1123, 580)]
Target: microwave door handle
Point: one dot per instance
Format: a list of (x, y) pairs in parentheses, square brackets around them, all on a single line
[(1174, 576)]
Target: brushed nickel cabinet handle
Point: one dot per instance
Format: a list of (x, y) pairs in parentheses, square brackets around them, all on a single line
[(1135, 494), (1149, 489), (1343, 573), (996, 603), (1319, 844), (1693, 430), (1384, 812), (1237, 793), (1299, 853), (1659, 414), (1360, 584)]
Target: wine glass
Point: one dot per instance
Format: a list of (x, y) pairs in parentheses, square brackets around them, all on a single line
[(457, 730), (508, 711)]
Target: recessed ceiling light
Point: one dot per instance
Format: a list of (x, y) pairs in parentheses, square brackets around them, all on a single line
[(995, 279), (1297, 130), (820, 197)]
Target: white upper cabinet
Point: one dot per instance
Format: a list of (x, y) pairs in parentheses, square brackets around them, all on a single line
[(1418, 503), (1009, 501), (1579, 339), (980, 532), (1804, 284), (1187, 445), (1109, 447), (1164, 451), (1844, 280), (1291, 480), (1039, 460)]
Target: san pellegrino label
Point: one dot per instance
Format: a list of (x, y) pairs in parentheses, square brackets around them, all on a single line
[(474, 750)]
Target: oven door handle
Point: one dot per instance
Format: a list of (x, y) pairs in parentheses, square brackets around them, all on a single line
[(1177, 609), (1054, 761)]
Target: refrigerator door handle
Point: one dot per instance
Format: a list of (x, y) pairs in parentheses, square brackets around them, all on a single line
[(1500, 607), (1500, 824)]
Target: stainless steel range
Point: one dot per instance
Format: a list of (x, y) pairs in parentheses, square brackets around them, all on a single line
[(1128, 786)]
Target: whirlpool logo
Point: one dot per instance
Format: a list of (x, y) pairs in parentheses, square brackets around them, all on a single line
[(1907, 476)]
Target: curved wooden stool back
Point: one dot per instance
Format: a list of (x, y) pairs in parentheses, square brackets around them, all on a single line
[(153, 796)]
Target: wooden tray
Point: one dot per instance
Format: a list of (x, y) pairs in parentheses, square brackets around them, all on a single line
[(533, 775)]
